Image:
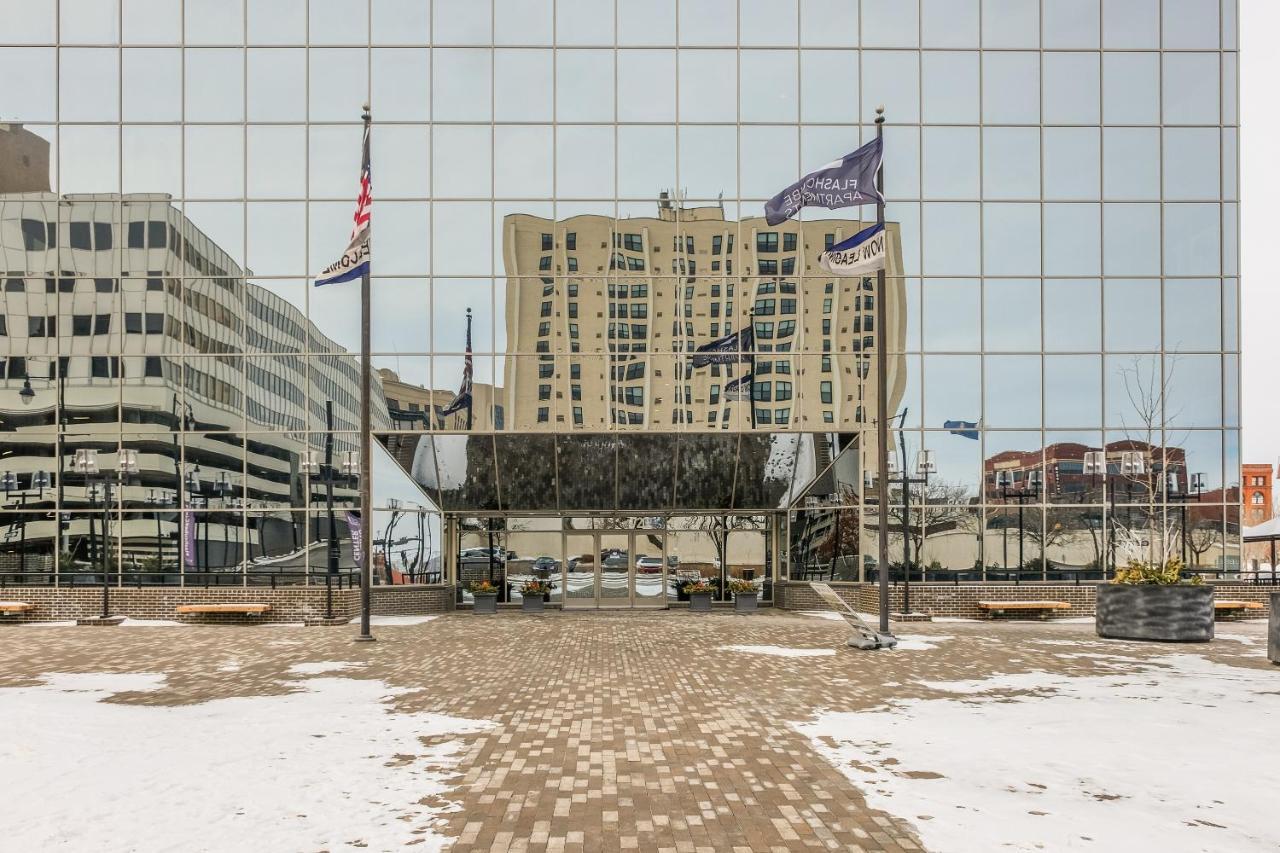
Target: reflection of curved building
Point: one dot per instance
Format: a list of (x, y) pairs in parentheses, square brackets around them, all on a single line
[(603, 314), (126, 326)]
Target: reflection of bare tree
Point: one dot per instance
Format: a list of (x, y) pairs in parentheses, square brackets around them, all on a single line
[(1201, 538), (1148, 395), (634, 522), (937, 506), (718, 527)]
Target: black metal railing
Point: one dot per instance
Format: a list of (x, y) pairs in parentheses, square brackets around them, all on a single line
[(140, 579)]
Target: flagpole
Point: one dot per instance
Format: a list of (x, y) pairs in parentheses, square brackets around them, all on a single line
[(471, 396), (882, 404), (751, 385), (366, 438)]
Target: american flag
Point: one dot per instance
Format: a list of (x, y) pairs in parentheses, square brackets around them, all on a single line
[(354, 262), (463, 399)]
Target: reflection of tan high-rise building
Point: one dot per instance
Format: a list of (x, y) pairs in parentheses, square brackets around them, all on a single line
[(603, 317), (24, 160)]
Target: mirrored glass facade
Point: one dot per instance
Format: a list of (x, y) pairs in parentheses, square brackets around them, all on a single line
[(568, 201)]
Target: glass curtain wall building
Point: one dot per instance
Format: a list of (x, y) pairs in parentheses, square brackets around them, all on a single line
[(568, 201)]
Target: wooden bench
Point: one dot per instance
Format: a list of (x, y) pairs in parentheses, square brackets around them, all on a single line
[(13, 608), (247, 609), (1237, 605), (991, 608)]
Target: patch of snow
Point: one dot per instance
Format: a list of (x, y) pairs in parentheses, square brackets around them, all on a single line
[(1075, 620), (280, 772), (377, 621), (920, 642), (230, 666), (130, 622), (954, 619), (317, 667), (1054, 767), (285, 625), (69, 623), (780, 651)]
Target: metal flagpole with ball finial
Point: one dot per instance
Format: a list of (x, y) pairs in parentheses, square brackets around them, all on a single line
[(882, 408), (366, 437)]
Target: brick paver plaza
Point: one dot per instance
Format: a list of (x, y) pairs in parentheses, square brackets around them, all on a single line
[(617, 731)]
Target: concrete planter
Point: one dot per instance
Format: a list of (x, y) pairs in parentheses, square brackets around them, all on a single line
[(1273, 629), (1172, 614), (745, 602), (532, 604), (486, 602), (700, 602)]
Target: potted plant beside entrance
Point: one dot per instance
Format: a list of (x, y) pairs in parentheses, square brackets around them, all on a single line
[(1151, 601), (699, 593), (533, 594), (745, 595), (485, 595)]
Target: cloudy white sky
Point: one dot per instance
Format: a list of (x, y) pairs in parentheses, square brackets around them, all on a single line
[(1260, 184)]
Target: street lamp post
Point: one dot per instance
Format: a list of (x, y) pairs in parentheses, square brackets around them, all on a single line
[(1030, 489), (158, 498)]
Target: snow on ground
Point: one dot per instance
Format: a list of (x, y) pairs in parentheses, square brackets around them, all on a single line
[(328, 767), (1164, 757), (61, 623), (377, 621), (130, 622), (779, 651), (920, 642)]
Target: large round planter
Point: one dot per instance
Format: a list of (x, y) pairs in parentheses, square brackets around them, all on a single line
[(1172, 614), (700, 602), (745, 602), (531, 604), (1273, 629), (486, 602)]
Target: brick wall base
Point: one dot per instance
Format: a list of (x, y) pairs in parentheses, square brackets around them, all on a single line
[(288, 603), (961, 601), (411, 600)]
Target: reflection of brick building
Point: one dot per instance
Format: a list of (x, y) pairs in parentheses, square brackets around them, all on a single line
[(1255, 493), (1063, 477), (24, 160)]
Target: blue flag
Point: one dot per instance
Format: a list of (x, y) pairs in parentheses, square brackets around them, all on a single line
[(964, 429), (726, 350), (847, 182)]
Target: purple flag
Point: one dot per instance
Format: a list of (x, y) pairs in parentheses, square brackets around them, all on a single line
[(189, 539), (846, 182), (357, 537)]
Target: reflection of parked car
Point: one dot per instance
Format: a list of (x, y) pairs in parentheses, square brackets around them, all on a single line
[(582, 563), (649, 565), (615, 562), (499, 556), (546, 564)]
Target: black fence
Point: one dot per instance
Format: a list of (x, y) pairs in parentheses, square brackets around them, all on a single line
[(140, 579)]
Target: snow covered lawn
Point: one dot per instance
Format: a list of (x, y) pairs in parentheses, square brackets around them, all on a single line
[(1171, 755), (328, 767)]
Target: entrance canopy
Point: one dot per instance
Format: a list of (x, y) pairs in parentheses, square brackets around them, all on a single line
[(655, 473)]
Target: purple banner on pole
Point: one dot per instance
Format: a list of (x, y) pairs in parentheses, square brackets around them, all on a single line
[(357, 537), (189, 540)]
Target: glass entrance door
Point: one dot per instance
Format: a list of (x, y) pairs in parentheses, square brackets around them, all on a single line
[(614, 569), (581, 557)]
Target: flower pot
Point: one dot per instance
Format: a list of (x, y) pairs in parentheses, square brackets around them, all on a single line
[(1173, 614), (486, 602), (532, 604), (700, 602), (745, 602)]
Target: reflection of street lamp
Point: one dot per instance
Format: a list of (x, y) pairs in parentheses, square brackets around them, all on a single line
[(1132, 464), (1194, 489), (925, 465), (85, 464), (1029, 490), (9, 482), (394, 505)]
